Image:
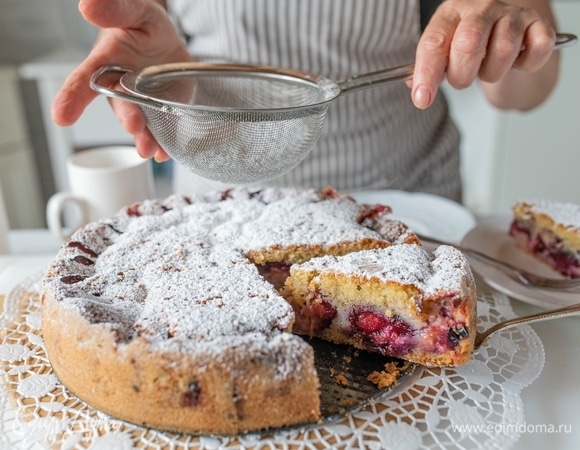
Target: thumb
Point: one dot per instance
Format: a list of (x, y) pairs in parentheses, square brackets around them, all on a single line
[(118, 13)]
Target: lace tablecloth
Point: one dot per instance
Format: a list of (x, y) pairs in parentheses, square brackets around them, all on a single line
[(465, 408)]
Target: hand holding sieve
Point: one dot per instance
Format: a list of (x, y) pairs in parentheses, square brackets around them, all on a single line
[(238, 123)]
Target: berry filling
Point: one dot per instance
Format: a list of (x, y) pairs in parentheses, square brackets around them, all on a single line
[(191, 397), (314, 316), (394, 336), (275, 273), (83, 260), (72, 279), (547, 247), (375, 331), (323, 313), (388, 335), (374, 212), (133, 210), (82, 248)]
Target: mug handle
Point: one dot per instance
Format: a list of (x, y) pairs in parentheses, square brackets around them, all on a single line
[(55, 210)]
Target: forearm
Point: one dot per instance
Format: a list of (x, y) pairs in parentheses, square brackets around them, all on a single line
[(523, 90)]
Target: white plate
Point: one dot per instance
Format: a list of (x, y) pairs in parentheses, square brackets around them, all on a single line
[(426, 214), (491, 236)]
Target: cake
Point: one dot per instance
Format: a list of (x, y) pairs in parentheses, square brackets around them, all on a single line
[(550, 231), (398, 301), (170, 314)]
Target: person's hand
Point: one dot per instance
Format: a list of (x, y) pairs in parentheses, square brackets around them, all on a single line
[(482, 39), (133, 33)]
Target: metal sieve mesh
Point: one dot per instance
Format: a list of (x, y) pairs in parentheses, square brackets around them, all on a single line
[(236, 147)]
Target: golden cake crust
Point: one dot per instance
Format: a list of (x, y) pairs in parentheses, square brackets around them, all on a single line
[(168, 389)]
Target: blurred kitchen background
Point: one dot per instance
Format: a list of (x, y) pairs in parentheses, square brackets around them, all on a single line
[(506, 155)]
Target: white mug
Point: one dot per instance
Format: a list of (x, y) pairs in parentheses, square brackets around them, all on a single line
[(102, 181)]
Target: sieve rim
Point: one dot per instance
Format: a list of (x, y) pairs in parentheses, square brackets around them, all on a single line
[(329, 90)]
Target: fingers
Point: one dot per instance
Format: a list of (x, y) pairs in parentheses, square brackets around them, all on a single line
[(72, 99), (431, 60), (468, 51), (132, 46), (538, 46), (504, 46), (135, 33), (132, 120), (114, 13), (519, 44), (147, 147), (76, 93), (470, 39)]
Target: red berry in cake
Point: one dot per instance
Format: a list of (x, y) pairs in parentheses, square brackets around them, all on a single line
[(388, 335), (191, 396), (72, 279), (82, 248), (83, 260), (275, 273), (379, 210), (133, 210), (396, 335), (323, 313), (456, 334), (227, 194), (373, 212), (329, 193), (368, 322)]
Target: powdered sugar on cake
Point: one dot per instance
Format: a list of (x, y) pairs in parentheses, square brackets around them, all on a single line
[(404, 264), (568, 214), (176, 270)]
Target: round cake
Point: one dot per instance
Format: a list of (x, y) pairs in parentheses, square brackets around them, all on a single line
[(169, 314)]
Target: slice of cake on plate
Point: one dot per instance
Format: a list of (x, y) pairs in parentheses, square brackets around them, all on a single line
[(550, 231)]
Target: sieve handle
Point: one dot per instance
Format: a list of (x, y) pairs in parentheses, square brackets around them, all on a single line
[(372, 79), (367, 80), (113, 93)]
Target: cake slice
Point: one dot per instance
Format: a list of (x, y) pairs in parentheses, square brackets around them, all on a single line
[(550, 231), (398, 301)]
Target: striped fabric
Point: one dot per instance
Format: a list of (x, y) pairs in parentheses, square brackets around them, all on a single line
[(374, 138)]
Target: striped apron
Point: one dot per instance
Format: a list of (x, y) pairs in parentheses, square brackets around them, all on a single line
[(373, 139)]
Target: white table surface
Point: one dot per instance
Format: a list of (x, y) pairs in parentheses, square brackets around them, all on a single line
[(552, 400)]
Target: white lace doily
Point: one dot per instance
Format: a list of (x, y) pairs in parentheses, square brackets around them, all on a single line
[(425, 411)]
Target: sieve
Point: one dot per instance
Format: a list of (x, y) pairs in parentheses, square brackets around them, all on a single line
[(238, 123)]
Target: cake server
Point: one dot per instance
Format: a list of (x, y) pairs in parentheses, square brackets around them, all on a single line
[(482, 337), (238, 123)]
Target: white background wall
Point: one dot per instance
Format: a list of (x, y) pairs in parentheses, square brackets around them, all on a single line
[(30, 28)]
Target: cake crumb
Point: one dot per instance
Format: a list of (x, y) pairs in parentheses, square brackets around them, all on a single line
[(388, 376), (341, 379), (348, 402)]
